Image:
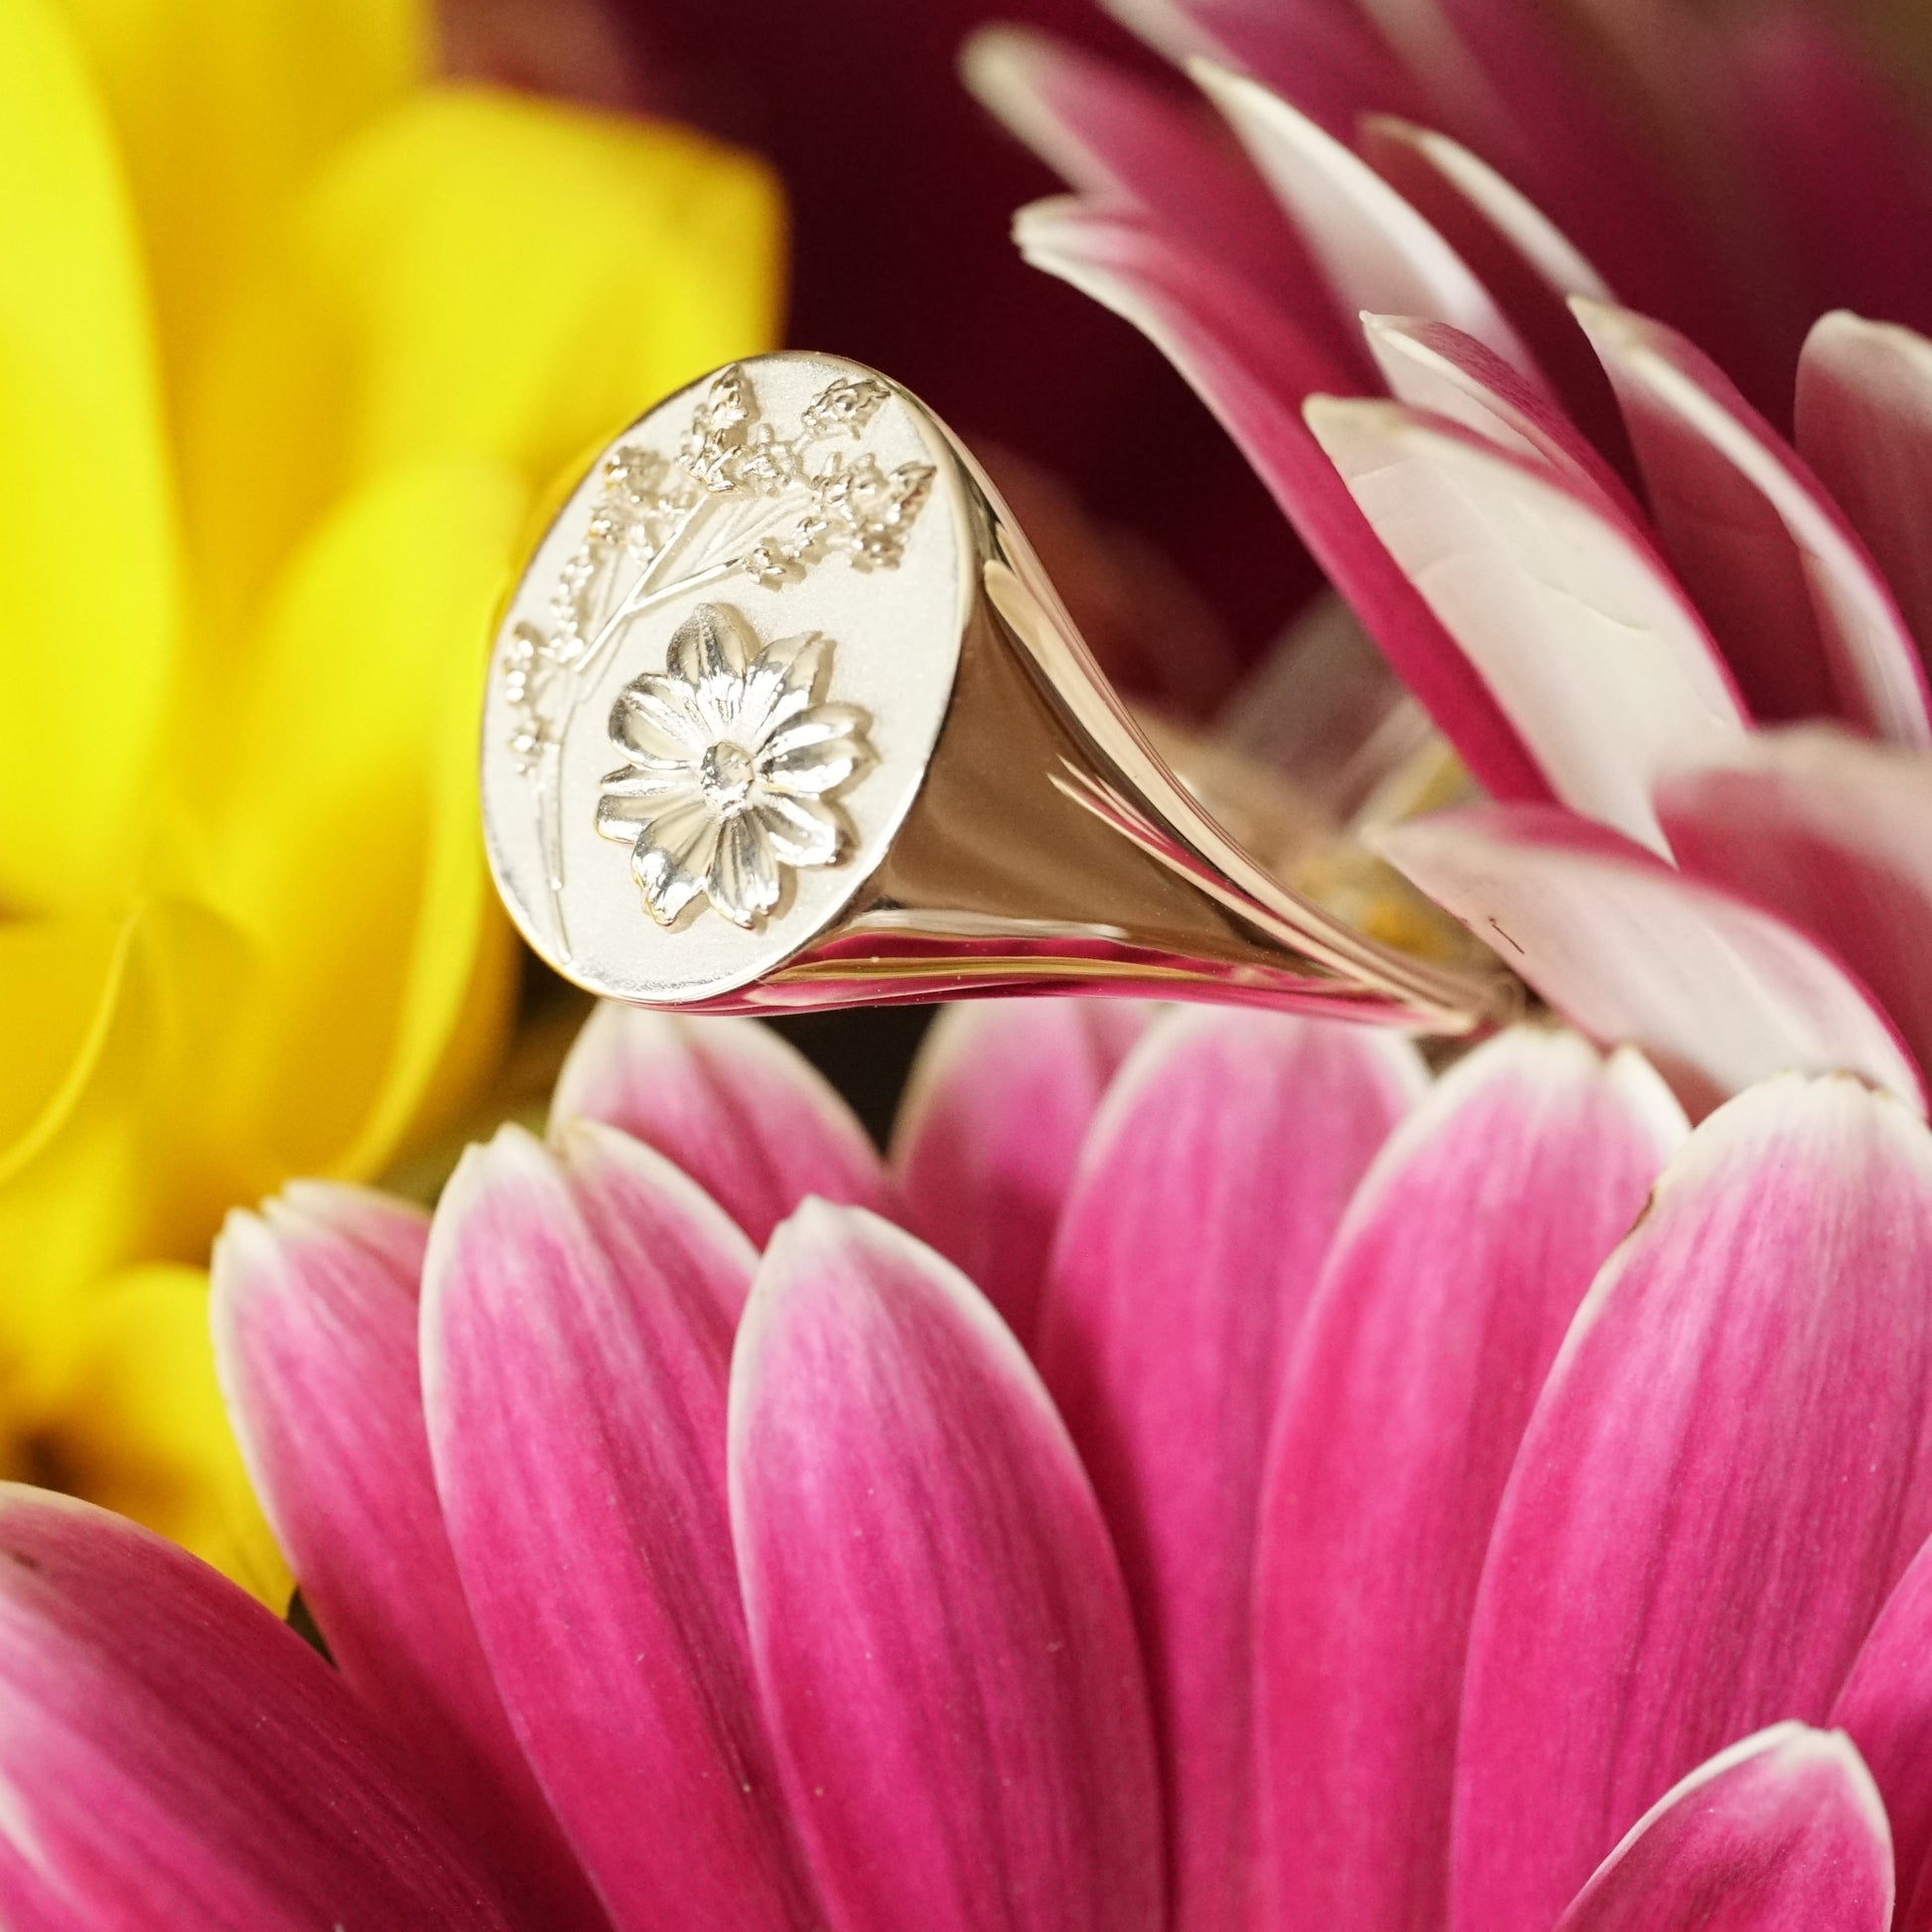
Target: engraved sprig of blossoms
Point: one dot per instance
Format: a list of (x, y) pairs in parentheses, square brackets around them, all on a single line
[(735, 498)]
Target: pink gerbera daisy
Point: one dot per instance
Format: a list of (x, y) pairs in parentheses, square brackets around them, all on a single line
[(1365, 1515)]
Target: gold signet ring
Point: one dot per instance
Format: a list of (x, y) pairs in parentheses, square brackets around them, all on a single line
[(785, 713)]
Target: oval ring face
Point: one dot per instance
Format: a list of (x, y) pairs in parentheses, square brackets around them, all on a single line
[(716, 689)]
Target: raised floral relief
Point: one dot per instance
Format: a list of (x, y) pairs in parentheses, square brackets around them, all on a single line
[(736, 498), (732, 765)]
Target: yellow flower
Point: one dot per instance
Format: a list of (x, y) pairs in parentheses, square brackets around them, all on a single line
[(290, 339)]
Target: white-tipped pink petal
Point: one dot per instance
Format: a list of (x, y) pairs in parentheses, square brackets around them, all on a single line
[(1717, 992), (738, 1109), (1806, 620), (1834, 835), (1253, 367), (173, 1756), (1376, 251), (1573, 622), (315, 1314), (1886, 1708), (578, 1309), (1216, 1172), (1108, 132), (984, 1147), (1728, 1469), (943, 1645), (1431, 367), (1528, 264), (1782, 1832), (1466, 183), (1864, 425), (1455, 1277)]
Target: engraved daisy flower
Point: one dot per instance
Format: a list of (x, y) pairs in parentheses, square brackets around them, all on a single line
[(731, 767)]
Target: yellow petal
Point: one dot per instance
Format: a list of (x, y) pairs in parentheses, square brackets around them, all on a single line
[(528, 275), (58, 982), (67, 1195), (112, 1048), (346, 824), (137, 1425), (87, 550), (476, 273), (223, 108)]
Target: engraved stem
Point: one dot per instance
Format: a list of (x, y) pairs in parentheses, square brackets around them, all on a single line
[(549, 783), (550, 834), (630, 605)]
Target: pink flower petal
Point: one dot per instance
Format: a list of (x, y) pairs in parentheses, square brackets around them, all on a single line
[(1551, 120), (1216, 1172), (1431, 367), (942, 1641), (1458, 1270), (1844, 159), (1805, 620), (1470, 192), (1718, 993), (1375, 249), (577, 1325), (1727, 1471), (1887, 1706), (1833, 835), (1864, 423), (986, 1138), (173, 1756), (735, 1106), (1575, 626), (1331, 62), (1252, 367), (1782, 1832), (1519, 255), (1108, 132), (314, 1309)]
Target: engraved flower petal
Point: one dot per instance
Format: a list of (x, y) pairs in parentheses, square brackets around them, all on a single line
[(658, 779), (817, 727), (656, 719), (744, 875), (627, 807), (816, 769), (673, 856), (802, 831), (709, 655), (780, 685), (812, 763)]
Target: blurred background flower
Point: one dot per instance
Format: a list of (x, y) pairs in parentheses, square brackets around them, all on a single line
[(292, 335)]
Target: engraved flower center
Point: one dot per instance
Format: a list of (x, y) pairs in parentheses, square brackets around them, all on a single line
[(725, 776)]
